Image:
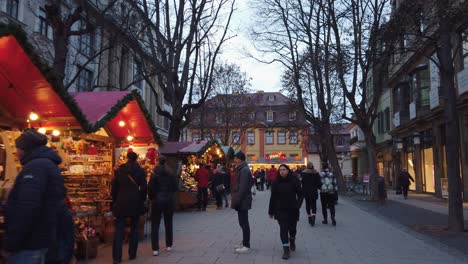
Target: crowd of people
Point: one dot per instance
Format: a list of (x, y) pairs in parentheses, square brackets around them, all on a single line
[(39, 226)]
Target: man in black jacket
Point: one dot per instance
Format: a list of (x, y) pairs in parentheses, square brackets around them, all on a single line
[(311, 183), (241, 198), (128, 197), (33, 204)]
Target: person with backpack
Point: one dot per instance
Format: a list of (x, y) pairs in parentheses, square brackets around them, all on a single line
[(128, 201), (328, 191), (162, 189)]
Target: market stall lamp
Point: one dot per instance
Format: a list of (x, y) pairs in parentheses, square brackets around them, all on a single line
[(121, 123), (42, 130), (130, 138), (55, 133), (33, 116)]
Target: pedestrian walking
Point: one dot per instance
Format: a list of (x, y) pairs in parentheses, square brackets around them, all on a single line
[(285, 202), (219, 187), (35, 201), (382, 190), (128, 201), (272, 172), (404, 180), (162, 189), (241, 199), (311, 183), (202, 176), (328, 192)]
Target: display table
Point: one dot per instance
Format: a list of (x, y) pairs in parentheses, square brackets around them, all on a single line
[(186, 199)]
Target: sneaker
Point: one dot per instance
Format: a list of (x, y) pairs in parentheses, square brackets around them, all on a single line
[(155, 253), (238, 246), (169, 249), (243, 249)]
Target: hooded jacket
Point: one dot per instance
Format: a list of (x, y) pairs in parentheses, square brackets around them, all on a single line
[(286, 197), (241, 194), (128, 198), (34, 202), (162, 188), (311, 183)]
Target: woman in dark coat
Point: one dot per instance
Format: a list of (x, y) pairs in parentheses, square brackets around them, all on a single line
[(219, 187), (161, 190), (311, 183), (285, 202)]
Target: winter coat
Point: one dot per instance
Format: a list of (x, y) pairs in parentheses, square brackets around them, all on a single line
[(260, 176), (241, 195), (404, 179), (202, 176), (272, 172), (311, 183), (286, 198), (127, 198), (328, 181), (162, 188), (218, 179), (34, 202)]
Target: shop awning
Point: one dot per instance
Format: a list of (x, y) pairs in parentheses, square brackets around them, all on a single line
[(172, 148), (25, 89), (199, 147), (108, 109)]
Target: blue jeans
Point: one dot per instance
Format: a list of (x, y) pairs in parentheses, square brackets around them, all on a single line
[(28, 256), (243, 216), (119, 237)]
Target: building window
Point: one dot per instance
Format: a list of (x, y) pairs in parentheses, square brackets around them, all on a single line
[(86, 45), (281, 137), (269, 116), (43, 27), (207, 136), (293, 137), (137, 74), (236, 138), (420, 87), (219, 137), (387, 119), (251, 138), (292, 116), (195, 137), (269, 137), (85, 79), (271, 98), (252, 116), (12, 8)]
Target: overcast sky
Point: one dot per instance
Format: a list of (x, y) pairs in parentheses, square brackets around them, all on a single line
[(265, 77)]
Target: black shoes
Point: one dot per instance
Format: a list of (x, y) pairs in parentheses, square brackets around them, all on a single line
[(285, 253), (333, 221), (292, 244), (325, 222), (312, 220)]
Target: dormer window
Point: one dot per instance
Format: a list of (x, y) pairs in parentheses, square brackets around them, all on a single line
[(269, 116), (292, 116), (271, 98)]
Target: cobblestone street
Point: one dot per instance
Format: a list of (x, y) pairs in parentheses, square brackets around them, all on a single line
[(359, 237)]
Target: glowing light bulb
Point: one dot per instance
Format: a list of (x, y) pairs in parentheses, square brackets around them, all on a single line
[(121, 123), (129, 138), (33, 116), (55, 133), (42, 130)]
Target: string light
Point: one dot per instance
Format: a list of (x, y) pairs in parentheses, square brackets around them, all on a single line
[(33, 116), (129, 138), (42, 130), (55, 133), (121, 123)]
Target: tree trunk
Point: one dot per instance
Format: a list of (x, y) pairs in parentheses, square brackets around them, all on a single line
[(332, 158), (175, 129), (61, 43), (452, 137), (372, 159)]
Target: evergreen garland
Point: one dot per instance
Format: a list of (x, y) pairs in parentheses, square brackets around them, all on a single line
[(57, 85)]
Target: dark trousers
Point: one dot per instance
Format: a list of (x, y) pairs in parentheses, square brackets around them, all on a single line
[(287, 229), (219, 197), (404, 189), (156, 221), (243, 216), (311, 203), (202, 198), (260, 186), (119, 237), (328, 202)]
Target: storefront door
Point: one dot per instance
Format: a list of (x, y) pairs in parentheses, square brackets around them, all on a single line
[(411, 170), (428, 170)]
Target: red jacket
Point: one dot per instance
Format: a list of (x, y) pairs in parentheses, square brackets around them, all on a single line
[(272, 174), (202, 176)]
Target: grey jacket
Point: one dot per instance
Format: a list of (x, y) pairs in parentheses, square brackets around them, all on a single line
[(241, 196)]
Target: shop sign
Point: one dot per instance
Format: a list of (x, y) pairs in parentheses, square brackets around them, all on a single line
[(276, 155), (444, 187)]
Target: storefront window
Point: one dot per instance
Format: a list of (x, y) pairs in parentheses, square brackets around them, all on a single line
[(411, 170), (429, 180)]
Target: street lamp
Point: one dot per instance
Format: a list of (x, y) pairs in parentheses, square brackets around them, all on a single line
[(416, 138), (399, 144)]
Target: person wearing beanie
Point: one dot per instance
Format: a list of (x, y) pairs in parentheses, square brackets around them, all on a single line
[(35, 201), (241, 198), (162, 191), (128, 198)]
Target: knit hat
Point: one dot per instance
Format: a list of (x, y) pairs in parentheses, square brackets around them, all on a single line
[(240, 155), (30, 139)]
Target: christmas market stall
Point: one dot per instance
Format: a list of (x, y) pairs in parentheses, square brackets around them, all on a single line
[(84, 129)]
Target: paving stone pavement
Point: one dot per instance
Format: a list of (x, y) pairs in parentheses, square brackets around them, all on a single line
[(359, 237)]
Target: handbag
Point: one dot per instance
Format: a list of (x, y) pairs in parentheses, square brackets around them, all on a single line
[(144, 206), (220, 187)]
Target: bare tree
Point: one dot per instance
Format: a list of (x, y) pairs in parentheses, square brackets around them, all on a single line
[(184, 39), (297, 34), (434, 27)]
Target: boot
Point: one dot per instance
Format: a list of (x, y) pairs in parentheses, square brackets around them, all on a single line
[(285, 253), (333, 221), (292, 244), (312, 220)]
